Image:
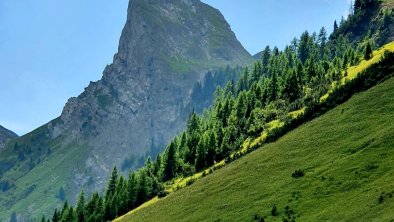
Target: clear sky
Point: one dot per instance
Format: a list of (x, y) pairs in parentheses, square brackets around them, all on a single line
[(51, 49)]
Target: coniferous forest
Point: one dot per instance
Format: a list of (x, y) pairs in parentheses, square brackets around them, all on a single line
[(279, 84)]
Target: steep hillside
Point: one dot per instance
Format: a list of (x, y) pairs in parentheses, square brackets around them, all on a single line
[(346, 156), (371, 19), (5, 135), (142, 101)]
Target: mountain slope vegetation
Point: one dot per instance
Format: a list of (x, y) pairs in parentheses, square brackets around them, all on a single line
[(347, 159)]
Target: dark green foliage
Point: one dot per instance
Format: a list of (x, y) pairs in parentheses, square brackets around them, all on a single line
[(298, 174), (112, 183), (335, 26), (274, 211), (258, 218), (368, 51), (56, 216), (81, 208), (171, 162)]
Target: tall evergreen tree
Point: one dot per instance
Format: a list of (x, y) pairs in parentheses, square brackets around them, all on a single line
[(211, 145), (368, 51), (81, 207), (112, 183), (322, 40), (303, 49), (143, 188), (56, 216), (201, 154), (273, 88), (69, 216), (265, 59), (170, 164), (335, 26)]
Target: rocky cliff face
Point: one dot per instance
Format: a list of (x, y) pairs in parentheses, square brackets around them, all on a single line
[(140, 103), (165, 47), (5, 135)]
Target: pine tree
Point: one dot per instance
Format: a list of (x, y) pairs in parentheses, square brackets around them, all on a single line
[(257, 72), (368, 51), (303, 47), (56, 216), (157, 164), (211, 152), (81, 207), (170, 163), (201, 155), (143, 188), (64, 210), (273, 88), (322, 40), (132, 188), (70, 215), (291, 87), (265, 59), (112, 183), (335, 26)]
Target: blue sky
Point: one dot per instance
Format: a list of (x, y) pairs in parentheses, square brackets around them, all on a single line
[(51, 49)]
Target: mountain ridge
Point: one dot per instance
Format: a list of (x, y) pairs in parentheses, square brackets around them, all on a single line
[(5, 136)]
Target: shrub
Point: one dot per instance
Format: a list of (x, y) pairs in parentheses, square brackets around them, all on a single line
[(298, 174), (162, 194)]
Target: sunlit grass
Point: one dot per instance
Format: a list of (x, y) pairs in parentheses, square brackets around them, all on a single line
[(347, 156)]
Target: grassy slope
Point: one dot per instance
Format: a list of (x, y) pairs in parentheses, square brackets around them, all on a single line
[(38, 187), (348, 157)]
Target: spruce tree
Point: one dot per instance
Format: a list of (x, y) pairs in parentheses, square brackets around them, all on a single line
[(335, 26), (143, 188), (273, 88), (201, 154), (211, 152), (170, 163), (70, 215), (368, 51), (81, 207), (265, 59), (112, 183), (303, 47), (56, 216), (132, 190)]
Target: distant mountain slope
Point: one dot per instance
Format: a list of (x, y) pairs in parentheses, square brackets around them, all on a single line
[(5, 135), (373, 20), (347, 158), (141, 102)]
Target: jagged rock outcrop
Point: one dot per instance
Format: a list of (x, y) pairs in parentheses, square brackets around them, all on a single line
[(5, 135), (140, 103), (165, 47)]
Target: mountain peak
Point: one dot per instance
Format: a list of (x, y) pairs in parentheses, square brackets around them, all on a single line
[(5, 135)]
